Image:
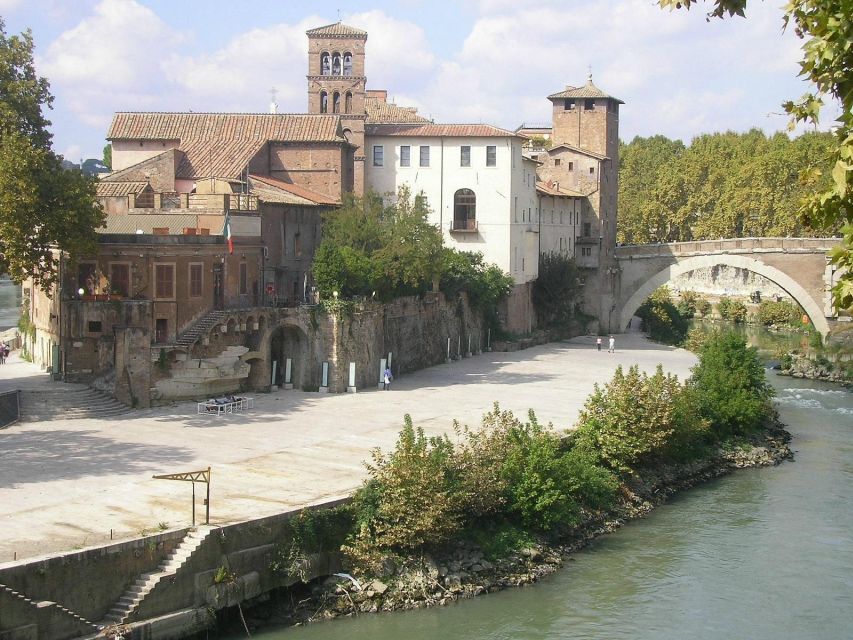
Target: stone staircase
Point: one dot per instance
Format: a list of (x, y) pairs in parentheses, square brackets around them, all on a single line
[(189, 337), (144, 584), (88, 625), (67, 401)]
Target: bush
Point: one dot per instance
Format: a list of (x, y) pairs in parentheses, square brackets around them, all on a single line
[(733, 310), (782, 313), (661, 318), (557, 289), (729, 386), (632, 419), (411, 500), (687, 304), (703, 307), (485, 283)]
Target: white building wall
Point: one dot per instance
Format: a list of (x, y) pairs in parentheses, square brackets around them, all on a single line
[(502, 192)]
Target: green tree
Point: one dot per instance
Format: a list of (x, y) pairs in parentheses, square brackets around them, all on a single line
[(826, 26), (729, 386), (108, 156), (557, 289), (43, 207), (661, 317)]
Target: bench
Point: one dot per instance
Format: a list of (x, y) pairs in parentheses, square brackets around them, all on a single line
[(221, 406)]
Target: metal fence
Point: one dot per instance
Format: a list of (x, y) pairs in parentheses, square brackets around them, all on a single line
[(10, 407)]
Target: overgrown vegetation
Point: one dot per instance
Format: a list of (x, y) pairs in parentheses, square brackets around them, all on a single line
[(508, 482), (780, 313), (371, 249), (662, 319), (731, 309), (556, 290)]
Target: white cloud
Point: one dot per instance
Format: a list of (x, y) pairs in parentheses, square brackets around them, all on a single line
[(7, 6)]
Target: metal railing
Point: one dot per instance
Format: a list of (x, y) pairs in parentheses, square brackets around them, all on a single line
[(469, 225)]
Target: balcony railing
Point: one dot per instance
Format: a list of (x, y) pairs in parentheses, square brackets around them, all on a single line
[(463, 226)]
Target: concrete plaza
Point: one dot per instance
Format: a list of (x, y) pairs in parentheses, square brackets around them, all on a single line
[(65, 484)]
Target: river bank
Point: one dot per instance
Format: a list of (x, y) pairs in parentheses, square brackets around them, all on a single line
[(461, 570)]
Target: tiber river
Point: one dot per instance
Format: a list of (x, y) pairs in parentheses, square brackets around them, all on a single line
[(763, 554)]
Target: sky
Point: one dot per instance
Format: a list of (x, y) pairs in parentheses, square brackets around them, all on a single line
[(465, 61)]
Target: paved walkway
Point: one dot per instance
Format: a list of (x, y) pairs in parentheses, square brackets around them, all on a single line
[(65, 484)]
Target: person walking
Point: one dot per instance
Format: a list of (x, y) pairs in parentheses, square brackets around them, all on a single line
[(598, 342), (611, 345), (386, 378), (3, 353)]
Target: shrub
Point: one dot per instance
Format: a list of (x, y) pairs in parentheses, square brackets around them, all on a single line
[(661, 318), (782, 313), (687, 304), (632, 418), (411, 499), (703, 307), (730, 309), (729, 386), (556, 289)]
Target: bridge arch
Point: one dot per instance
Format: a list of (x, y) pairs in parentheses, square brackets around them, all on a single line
[(795, 290)]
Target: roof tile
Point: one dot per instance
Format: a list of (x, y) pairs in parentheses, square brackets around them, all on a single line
[(589, 90), (337, 29), (431, 130)]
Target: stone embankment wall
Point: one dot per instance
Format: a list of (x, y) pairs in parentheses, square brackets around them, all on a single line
[(723, 280), (53, 590)]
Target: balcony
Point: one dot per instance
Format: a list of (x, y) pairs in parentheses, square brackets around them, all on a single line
[(463, 226), (188, 202)]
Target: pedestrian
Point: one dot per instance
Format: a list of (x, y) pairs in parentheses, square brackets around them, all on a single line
[(598, 342), (611, 346), (386, 378), (3, 352)]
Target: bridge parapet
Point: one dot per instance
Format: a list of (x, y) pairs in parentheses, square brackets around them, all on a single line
[(728, 245)]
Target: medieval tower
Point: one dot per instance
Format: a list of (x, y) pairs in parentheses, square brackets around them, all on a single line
[(336, 84)]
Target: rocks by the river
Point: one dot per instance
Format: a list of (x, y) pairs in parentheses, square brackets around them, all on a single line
[(462, 571), (802, 366)]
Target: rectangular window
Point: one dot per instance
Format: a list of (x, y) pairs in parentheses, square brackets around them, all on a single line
[(465, 156), (591, 170), (556, 162), (378, 155), (95, 326), (569, 104), (424, 156), (571, 166), (164, 281), (161, 330), (120, 279), (196, 275), (244, 278), (405, 156), (491, 156), (588, 104), (587, 229), (297, 244)]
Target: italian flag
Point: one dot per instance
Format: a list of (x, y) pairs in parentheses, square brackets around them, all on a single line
[(226, 231)]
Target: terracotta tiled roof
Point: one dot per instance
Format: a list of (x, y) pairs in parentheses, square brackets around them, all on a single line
[(216, 159), (226, 126), (379, 111), (430, 130), (585, 152), (308, 196), (106, 189), (589, 90), (551, 190), (338, 29)]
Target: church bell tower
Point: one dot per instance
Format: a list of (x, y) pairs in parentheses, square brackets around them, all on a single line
[(336, 85)]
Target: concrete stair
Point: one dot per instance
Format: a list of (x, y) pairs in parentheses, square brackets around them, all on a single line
[(63, 401), (85, 624), (189, 337), (144, 584)]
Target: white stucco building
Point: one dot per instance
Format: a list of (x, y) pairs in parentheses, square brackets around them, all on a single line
[(481, 190)]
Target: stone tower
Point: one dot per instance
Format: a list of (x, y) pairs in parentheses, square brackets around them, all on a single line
[(336, 84), (585, 157)]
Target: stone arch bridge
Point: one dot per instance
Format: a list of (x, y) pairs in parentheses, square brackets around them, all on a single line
[(800, 266)]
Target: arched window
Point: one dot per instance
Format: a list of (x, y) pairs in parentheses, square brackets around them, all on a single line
[(347, 64), (325, 64), (336, 102), (348, 103), (464, 210), (324, 102), (336, 64)]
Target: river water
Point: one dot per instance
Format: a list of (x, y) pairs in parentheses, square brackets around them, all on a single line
[(760, 554)]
